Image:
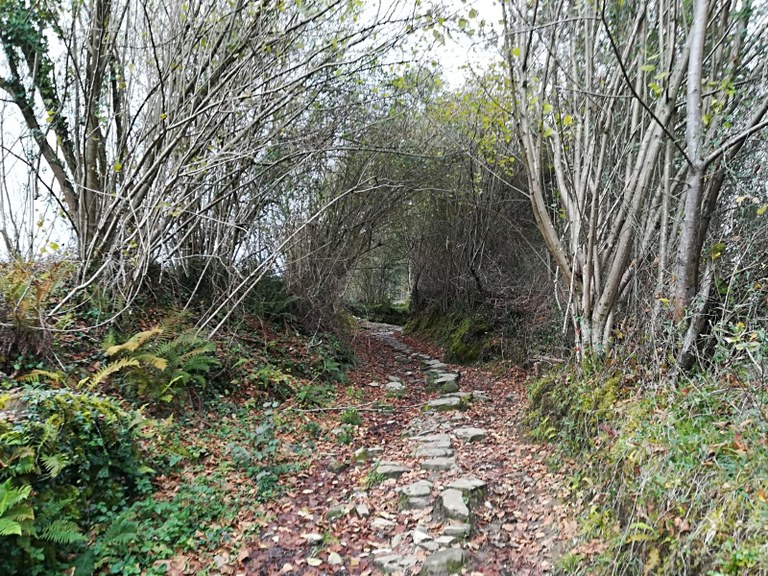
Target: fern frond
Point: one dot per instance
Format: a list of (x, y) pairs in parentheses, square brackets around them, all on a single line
[(54, 464), (121, 531), (111, 368), (11, 496), (135, 341), (109, 340), (200, 363), (9, 527), (34, 377), (199, 351), (62, 532), (153, 360)]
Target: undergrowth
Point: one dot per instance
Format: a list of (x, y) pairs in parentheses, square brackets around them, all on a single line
[(673, 479)]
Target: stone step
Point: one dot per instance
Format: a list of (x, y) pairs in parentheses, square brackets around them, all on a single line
[(470, 434), (438, 464), (431, 451), (391, 469), (444, 563), (452, 505), (445, 404)]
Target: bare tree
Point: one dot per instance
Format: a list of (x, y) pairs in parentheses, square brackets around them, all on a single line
[(168, 127), (599, 93)]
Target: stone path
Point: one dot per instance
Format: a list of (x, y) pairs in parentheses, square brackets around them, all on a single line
[(444, 488), (435, 481)]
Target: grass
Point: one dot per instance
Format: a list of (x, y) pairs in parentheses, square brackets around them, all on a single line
[(674, 479)]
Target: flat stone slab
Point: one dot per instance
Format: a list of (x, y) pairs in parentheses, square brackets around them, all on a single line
[(453, 505), (391, 469), (473, 489), (482, 396), (444, 563), (460, 395), (457, 530), (394, 378), (415, 503), (468, 485), (435, 440), (470, 434), (430, 451), (418, 489), (438, 464), (444, 404), (420, 534), (444, 377), (395, 386)]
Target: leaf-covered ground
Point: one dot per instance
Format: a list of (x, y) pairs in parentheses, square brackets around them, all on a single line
[(324, 511)]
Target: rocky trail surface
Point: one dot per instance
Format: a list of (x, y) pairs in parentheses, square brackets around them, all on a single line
[(437, 481)]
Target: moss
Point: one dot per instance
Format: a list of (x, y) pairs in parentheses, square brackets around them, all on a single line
[(466, 339)]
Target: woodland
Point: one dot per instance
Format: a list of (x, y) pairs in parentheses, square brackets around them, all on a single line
[(252, 250)]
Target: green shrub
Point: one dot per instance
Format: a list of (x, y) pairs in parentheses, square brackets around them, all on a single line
[(69, 458)]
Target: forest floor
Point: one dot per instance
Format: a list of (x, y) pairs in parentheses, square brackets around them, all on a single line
[(405, 474)]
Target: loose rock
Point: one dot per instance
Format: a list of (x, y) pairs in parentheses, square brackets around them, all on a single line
[(457, 530)]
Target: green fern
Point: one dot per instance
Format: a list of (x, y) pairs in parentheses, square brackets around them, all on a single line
[(166, 362), (54, 464), (61, 532), (16, 516)]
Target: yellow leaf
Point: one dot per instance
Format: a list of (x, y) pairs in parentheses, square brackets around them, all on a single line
[(314, 562), (117, 167), (762, 209), (567, 120)]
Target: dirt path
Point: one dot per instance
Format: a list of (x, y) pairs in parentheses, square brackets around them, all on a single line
[(437, 480)]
